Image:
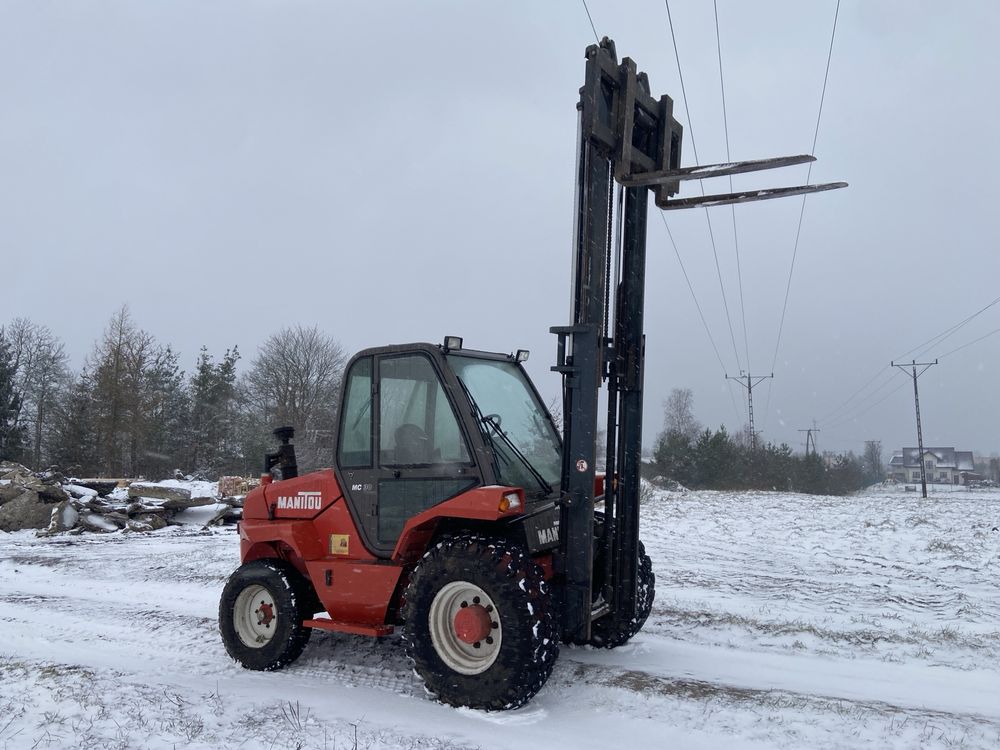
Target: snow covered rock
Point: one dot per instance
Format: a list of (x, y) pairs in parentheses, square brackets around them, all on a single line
[(193, 502), (96, 522), (12, 470), (64, 517), (80, 491), (158, 491), (53, 505), (26, 511), (145, 508), (9, 491), (670, 485), (146, 523), (51, 493), (100, 486), (202, 516)]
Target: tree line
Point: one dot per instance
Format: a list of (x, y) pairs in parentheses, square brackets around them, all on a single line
[(130, 410), (699, 458)]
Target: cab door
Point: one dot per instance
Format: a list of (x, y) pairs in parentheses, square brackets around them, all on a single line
[(401, 449)]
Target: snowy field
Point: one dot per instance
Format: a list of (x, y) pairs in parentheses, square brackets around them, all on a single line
[(780, 621)]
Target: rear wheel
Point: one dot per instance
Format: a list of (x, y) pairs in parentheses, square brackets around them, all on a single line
[(261, 612), (478, 623)]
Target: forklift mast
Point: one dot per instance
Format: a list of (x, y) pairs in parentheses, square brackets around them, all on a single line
[(624, 136)]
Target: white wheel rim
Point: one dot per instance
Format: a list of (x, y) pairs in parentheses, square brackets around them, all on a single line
[(457, 654), (255, 616)]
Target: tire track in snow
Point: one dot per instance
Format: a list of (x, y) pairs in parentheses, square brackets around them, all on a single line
[(115, 627), (687, 689)]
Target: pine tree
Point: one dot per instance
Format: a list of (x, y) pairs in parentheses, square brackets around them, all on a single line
[(139, 401), (74, 438), (164, 414), (214, 410)]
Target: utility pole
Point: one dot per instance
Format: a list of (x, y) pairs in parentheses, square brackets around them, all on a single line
[(752, 381), (810, 439), (916, 402)]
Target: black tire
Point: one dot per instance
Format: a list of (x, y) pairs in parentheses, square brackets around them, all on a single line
[(611, 631), (496, 581), (260, 614)]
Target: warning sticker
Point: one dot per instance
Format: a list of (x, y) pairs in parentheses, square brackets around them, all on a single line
[(340, 544)]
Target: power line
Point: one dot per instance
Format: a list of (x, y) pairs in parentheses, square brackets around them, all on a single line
[(736, 235), (673, 242), (708, 218), (974, 341), (918, 350), (851, 415), (948, 332), (701, 315), (802, 210), (694, 297), (680, 74), (852, 396), (596, 37), (838, 418)]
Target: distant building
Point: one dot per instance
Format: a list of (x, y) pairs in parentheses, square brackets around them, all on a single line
[(942, 466)]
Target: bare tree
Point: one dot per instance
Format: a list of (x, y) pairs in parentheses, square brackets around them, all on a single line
[(874, 469), (678, 414), (41, 373), (555, 407), (10, 404), (295, 380)]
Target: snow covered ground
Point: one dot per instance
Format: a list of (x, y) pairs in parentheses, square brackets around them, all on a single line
[(780, 620)]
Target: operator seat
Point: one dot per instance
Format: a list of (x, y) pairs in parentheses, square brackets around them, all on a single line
[(412, 445)]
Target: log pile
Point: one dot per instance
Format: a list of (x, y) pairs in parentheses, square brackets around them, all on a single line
[(53, 504)]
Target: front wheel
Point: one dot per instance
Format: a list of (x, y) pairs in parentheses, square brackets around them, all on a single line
[(261, 614), (611, 630), (478, 623)]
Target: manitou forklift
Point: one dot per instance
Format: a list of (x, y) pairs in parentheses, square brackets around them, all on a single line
[(455, 509)]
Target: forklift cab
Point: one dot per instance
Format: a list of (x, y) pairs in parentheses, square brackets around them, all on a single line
[(422, 423)]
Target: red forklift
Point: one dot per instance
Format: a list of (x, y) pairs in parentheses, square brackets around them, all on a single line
[(456, 509)]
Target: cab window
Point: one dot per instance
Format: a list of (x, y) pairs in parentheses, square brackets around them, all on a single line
[(356, 420), (417, 425)]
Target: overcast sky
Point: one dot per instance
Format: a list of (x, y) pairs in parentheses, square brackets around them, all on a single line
[(400, 171)]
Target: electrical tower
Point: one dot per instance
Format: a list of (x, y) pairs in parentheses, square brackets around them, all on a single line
[(749, 382), (810, 439), (916, 402)]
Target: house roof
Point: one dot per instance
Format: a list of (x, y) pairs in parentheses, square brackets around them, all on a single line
[(945, 458)]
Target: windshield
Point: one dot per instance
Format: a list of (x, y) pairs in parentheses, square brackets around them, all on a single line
[(509, 405)]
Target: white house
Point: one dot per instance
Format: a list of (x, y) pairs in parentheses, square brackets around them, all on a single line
[(942, 465)]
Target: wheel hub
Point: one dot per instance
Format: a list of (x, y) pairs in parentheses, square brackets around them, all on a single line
[(465, 627), (265, 614), (473, 623), (255, 616)]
